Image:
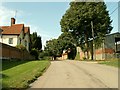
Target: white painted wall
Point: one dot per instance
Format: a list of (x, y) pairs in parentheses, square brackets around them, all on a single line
[(5, 39)]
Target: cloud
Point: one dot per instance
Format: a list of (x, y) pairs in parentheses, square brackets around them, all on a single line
[(7, 13)]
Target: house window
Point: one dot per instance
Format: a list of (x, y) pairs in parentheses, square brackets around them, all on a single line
[(10, 40)]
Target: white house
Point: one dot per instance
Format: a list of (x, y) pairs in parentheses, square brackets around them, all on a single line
[(15, 34)]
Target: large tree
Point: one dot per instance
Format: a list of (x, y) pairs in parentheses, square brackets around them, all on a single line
[(52, 48), (35, 44), (80, 18), (68, 42), (55, 47)]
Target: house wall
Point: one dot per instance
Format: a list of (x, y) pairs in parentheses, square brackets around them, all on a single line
[(9, 52), (5, 39), (24, 38), (64, 56), (27, 39)]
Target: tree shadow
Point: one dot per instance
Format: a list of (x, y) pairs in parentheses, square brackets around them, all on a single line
[(7, 64), (4, 76)]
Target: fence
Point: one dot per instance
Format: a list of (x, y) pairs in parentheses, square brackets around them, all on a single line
[(9, 52)]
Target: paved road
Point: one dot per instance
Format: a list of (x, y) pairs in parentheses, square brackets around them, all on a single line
[(76, 74)]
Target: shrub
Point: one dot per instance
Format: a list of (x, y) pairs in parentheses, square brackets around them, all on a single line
[(21, 47), (84, 58), (35, 53)]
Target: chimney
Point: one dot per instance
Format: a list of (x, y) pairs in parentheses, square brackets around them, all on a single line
[(12, 21)]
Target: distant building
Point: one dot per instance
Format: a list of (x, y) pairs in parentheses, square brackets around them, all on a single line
[(110, 48), (15, 34)]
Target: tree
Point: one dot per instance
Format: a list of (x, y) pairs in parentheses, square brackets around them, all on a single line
[(35, 53), (36, 41), (68, 42), (36, 44), (55, 47), (78, 18), (52, 48)]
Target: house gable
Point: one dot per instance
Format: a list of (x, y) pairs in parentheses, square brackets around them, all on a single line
[(16, 33)]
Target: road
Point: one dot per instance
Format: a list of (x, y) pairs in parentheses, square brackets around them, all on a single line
[(77, 74)]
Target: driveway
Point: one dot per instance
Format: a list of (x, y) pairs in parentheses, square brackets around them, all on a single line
[(77, 74)]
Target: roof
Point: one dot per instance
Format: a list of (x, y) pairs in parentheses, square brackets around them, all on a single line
[(1, 30), (15, 29), (26, 29)]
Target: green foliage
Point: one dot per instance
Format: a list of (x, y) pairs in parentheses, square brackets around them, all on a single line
[(84, 58), (46, 58), (21, 73), (21, 47), (65, 41), (112, 62), (41, 54), (52, 48), (35, 45), (77, 20), (35, 53), (36, 41)]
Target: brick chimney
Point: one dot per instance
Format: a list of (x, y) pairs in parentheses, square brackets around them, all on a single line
[(12, 21)]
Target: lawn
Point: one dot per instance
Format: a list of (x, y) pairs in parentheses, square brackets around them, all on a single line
[(19, 74), (114, 62)]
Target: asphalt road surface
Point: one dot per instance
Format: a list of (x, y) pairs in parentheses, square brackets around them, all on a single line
[(77, 74)]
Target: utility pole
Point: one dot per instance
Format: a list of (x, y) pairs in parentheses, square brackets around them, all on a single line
[(94, 54)]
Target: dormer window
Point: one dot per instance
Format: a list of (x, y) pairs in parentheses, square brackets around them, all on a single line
[(10, 40)]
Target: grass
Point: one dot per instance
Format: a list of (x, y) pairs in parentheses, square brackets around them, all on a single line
[(113, 62), (19, 74)]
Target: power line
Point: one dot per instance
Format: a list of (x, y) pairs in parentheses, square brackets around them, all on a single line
[(114, 10)]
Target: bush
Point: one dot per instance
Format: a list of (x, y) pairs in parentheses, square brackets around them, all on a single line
[(84, 58), (35, 53), (46, 58), (21, 47)]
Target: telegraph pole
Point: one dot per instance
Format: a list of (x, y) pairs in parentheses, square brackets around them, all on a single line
[(94, 54)]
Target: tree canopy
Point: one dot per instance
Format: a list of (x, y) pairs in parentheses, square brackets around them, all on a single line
[(55, 47), (78, 18), (36, 41), (35, 44)]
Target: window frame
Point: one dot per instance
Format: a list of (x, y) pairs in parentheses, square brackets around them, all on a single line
[(10, 41)]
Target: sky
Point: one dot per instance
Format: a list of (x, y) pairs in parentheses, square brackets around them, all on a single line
[(44, 17)]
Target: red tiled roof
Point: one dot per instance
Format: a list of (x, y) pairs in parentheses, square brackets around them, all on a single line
[(26, 29), (14, 29)]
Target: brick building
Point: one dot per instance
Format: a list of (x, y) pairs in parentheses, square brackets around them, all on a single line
[(110, 48), (15, 34)]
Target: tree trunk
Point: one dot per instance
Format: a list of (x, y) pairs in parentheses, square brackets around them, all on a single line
[(92, 50)]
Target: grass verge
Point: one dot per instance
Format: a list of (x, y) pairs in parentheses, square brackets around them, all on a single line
[(113, 62), (17, 74)]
